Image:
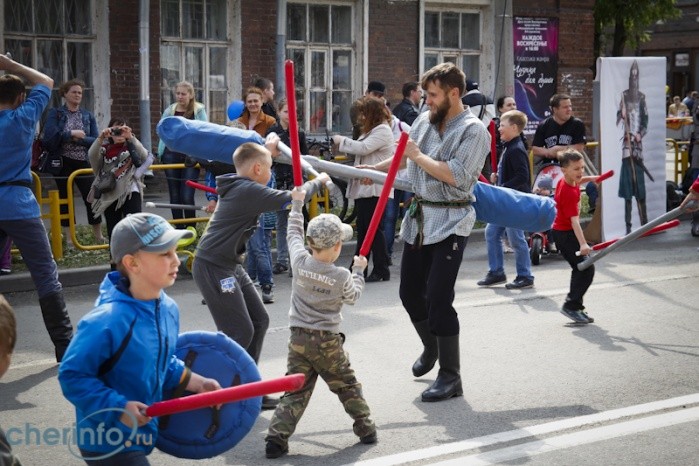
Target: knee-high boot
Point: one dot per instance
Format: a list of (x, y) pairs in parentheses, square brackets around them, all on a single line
[(448, 383), (57, 321), (429, 355), (643, 214)]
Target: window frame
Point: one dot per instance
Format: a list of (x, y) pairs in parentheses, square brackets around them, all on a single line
[(447, 53), (204, 90), (91, 78), (306, 89)]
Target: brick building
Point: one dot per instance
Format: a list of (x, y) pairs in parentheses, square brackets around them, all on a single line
[(337, 47)]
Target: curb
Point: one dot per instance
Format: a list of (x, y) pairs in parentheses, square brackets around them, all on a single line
[(93, 275)]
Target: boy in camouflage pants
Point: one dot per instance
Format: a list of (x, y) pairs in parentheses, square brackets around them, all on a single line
[(315, 347)]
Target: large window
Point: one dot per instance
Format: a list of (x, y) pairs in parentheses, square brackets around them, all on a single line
[(55, 37), (320, 42), (453, 37), (193, 48)]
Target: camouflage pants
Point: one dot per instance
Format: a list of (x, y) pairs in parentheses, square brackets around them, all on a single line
[(314, 353)]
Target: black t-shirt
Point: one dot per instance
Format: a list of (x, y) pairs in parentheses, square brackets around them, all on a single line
[(549, 134)]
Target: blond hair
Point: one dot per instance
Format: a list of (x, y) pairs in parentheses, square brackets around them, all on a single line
[(247, 154), (8, 327)]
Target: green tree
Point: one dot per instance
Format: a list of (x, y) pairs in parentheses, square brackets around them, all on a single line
[(626, 22)]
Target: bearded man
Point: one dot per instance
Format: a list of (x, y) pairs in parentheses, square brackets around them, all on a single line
[(445, 154), (633, 115)]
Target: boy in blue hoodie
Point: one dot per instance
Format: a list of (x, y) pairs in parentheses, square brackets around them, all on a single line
[(122, 357)]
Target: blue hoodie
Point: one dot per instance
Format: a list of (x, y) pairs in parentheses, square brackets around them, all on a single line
[(146, 367)]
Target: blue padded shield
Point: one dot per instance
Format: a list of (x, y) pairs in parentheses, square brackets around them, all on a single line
[(202, 139), (513, 209), (194, 434)]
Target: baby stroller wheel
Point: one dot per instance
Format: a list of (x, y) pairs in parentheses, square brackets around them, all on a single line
[(537, 246)]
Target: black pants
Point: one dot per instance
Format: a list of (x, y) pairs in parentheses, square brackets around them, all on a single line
[(580, 280), (365, 208), (83, 182), (427, 278)]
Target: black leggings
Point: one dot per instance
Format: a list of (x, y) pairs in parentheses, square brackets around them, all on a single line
[(427, 278)]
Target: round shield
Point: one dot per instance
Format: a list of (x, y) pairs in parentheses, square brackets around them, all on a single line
[(207, 432)]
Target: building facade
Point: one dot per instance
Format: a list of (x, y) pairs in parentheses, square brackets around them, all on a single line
[(337, 46)]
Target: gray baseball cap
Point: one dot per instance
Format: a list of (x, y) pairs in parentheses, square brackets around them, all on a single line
[(325, 230), (144, 232)]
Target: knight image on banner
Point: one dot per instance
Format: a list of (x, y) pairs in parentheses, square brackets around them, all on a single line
[(632, 141)]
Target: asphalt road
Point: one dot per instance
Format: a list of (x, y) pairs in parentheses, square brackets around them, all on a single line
[(537, 390)]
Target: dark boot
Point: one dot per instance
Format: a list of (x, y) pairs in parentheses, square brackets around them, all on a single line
[(448, 383), (643, 214), (429, 355), (53, 309)]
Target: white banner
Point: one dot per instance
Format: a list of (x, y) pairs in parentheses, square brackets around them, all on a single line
[(632, 141)]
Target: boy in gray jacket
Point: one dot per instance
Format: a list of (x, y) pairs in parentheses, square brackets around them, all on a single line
[(219, 270), (319, 290)]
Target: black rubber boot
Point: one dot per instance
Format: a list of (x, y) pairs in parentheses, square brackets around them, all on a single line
[(53, 309), (642, 214), (429, 355), (448, 383)]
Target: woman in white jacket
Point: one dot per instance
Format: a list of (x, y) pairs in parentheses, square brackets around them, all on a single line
[(375, 144)]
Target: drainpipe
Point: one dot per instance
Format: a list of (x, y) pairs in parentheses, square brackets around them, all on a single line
[(144, 73), (279, 82)]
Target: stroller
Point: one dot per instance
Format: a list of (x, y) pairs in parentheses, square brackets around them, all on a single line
[(539, 241)]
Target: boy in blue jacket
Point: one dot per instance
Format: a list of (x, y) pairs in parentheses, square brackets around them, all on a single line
[(122, 357)]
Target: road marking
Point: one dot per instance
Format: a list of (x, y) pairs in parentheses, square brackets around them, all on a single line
[(575, 439), (541, 429)]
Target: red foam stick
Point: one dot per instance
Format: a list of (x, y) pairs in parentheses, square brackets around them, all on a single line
[(383, 198), (482, 179), (658, 229), (293, 123), (203, 187), (226, 395), (604, 176), (493, 147)]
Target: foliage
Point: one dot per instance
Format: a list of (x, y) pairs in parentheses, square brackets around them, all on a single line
[(627, 22)]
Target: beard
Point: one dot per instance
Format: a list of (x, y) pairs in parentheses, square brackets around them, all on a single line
[(438, 115)]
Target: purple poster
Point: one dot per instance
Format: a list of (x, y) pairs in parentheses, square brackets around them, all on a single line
[(536, 65)]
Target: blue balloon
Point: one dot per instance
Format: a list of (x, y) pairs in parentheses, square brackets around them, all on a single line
[(235, 109)]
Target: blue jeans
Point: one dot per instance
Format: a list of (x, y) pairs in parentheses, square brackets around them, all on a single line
[(496, 259), (259, 256), (177, 179), (390, 217), (282, 246), (29, 235)]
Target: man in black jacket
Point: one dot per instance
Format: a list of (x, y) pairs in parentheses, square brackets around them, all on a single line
[(407, 110)]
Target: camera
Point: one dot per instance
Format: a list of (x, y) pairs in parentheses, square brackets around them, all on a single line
[(115, 131)]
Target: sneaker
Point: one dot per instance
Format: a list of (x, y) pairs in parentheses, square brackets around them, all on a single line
[(576, 316), (589, 319), (492, 279), (520, 283), (368, 439), (267, 294), (5, 271), (279, 268), (269, 403), (274, 450)]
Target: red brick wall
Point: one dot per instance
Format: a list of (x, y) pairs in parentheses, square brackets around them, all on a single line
[(259, 35), (393, 45), (124, 63)]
